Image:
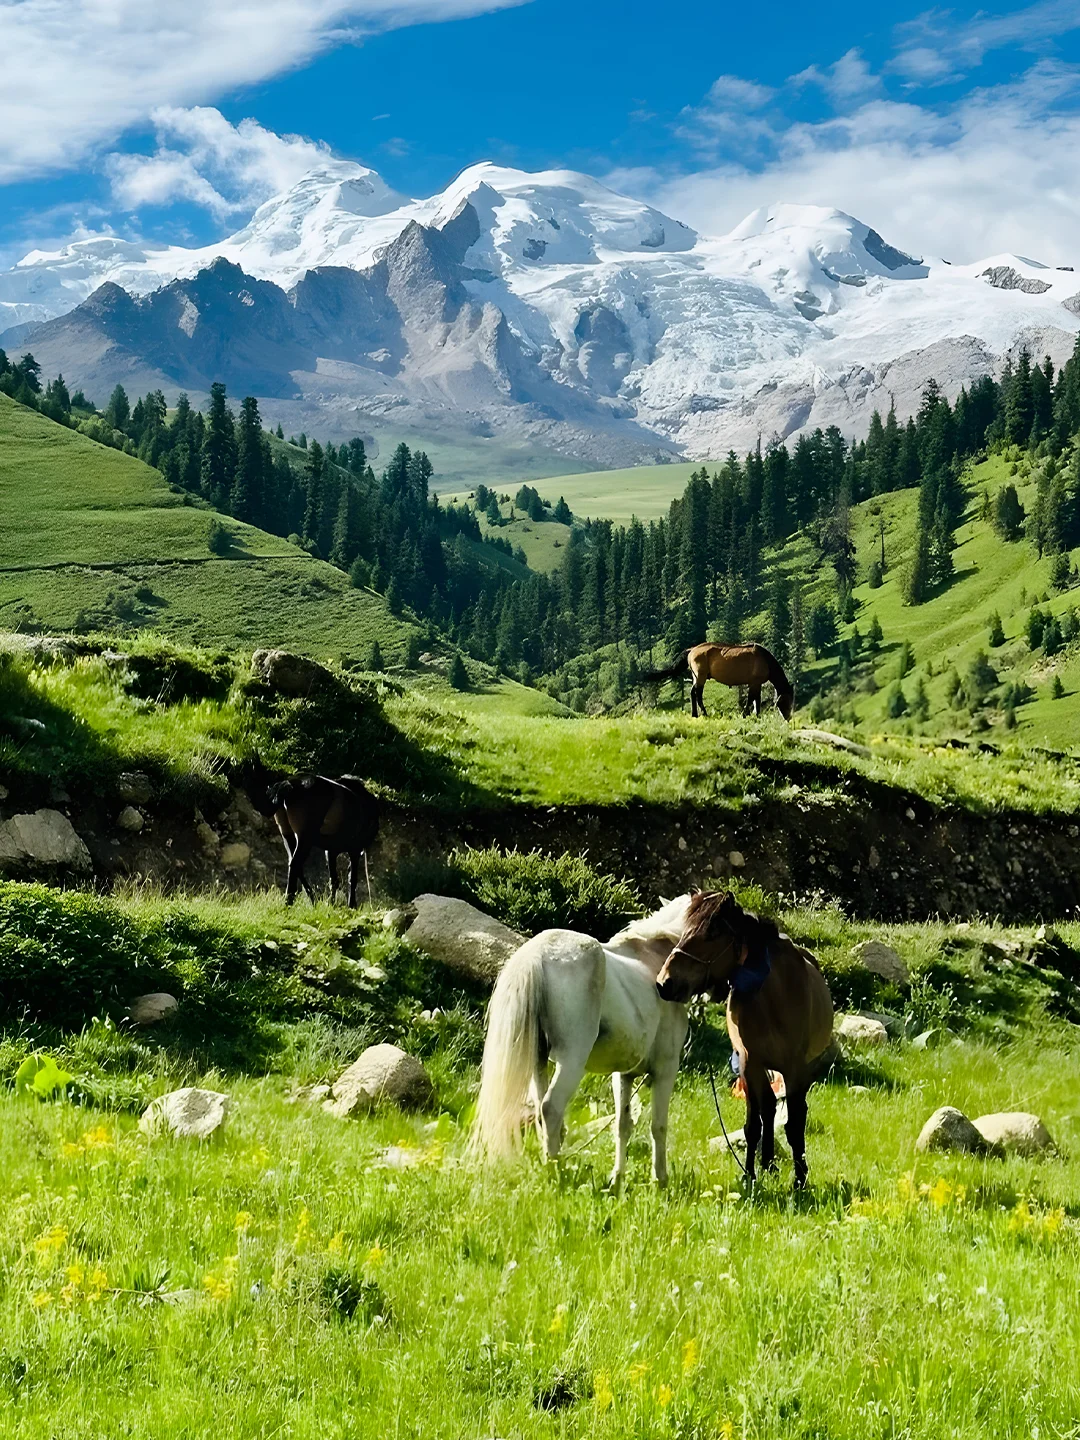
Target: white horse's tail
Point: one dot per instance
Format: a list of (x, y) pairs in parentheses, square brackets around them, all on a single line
[(511, 1054)]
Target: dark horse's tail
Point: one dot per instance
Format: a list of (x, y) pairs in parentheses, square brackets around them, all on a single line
[(785, 691), (651, 677)]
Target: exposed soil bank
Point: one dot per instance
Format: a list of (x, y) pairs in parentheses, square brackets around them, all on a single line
[(879, 860)]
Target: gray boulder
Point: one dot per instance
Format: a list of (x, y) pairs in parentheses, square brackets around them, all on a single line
[(44, 838), (461, 937), (860, 1030), (881, 959), (130, 819), (236, 855), (382, 1073), (287, 673), (1017, 1132), (187, 1112), (895, 1027), (950, 1129), (135, 788), (149, 1009)]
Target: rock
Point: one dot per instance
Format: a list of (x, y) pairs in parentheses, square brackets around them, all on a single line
[(235, 855), (873, 859), (1016, 1132), (881, 959), (383, 1072), (950, 1129), (859, 1030), (130, 819), (927, 1040), (149, 1009), (461, 937), (736, 859), (895, 1026), (4, 792), (208, 840), (135, 788), (826, 737), (43, 838), (397, 920), (188, 1112), (287, 673)]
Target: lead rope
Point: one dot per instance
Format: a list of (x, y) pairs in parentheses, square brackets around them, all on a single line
[(716, 1104)]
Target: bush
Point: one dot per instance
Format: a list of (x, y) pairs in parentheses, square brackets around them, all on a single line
[(874, 579), (218, 538), (997, 631), (1059, 571), (527, 890), (1057, 689), (458, 675)]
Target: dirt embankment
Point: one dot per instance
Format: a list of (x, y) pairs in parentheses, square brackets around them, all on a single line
[(881, 856)]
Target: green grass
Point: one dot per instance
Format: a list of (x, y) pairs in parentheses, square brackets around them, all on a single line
[(642, 490), (85, 528), (283, 1278)]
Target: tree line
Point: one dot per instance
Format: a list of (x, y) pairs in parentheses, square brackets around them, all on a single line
[(702, 569)]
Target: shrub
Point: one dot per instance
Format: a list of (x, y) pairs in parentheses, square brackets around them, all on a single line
[(997, 632), (874, 578), (218, 538), (458, 675), (375, 659), (1057, 689), (527, 890), (896, 703)]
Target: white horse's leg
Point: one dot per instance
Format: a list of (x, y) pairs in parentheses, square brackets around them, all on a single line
[(569, 1070), (622, 1090), (662, 1086)]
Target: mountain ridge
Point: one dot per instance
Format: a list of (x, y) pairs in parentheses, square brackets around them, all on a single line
[(546, 310)]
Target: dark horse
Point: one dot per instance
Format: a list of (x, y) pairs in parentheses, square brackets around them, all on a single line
[(749, 665), (779, 1010), (314, 812)]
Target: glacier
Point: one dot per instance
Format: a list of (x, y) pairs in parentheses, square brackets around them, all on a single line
[(547, 306)]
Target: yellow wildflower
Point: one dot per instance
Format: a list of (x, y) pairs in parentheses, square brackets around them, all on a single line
[(97, 1284), (664, 1396), (1052, 1222), (75, 1274), (558, 1321), (689, 1356), (40, 1299), (303, 1226), (336, 1244), (69, 1149), (243, 1220), (97, 1139), (375, 1256), (219, 1284), (51, 1242), (727, 1429), (678, 1233), (638, 1370), (1021, 1218), (602, 1391)]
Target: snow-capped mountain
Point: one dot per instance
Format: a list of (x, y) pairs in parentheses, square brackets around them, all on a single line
[(540, 307)]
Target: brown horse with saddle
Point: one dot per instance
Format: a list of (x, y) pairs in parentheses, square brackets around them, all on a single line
[(749, 665), (779, 1010)]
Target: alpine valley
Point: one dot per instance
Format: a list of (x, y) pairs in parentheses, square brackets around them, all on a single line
[(538, 313)]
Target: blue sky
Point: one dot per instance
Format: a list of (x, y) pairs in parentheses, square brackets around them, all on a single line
[(953, 132)]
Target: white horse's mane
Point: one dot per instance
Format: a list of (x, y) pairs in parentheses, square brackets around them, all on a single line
[(665, 924)]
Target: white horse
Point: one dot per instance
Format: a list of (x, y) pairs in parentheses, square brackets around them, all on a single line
[(588, 1007)]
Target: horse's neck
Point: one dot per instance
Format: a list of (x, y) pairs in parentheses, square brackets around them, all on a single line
[(650, 953)]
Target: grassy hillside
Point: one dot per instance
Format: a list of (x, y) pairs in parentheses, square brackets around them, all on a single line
[(94, 538), (992, 576)]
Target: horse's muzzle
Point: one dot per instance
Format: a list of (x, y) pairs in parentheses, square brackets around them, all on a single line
[(672, 989)]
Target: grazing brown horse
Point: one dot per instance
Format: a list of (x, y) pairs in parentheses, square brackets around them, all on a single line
[(314, 812), (779, 1010), (749, 665)]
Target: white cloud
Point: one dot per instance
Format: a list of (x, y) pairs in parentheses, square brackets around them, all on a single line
[(998, 171), (75, 73), (725, 116), (203, 158), (933, 48), (849, 78)]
